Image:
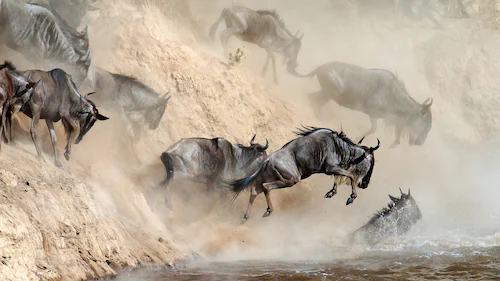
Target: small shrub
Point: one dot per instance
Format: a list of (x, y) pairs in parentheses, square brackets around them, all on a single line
[(237, 58)]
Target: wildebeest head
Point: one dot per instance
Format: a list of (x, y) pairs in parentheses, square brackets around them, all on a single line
[(291, 52), (369, 160), (421, 124), (407, 206), (248, 155), (87, 116), (154, 115)]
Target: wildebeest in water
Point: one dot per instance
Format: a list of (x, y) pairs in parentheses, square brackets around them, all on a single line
[(138, 101), (209, 161), (15, 92), (317, 150), (394, 220), (40, 36), (375, 92), (57, 98), (263, 28)]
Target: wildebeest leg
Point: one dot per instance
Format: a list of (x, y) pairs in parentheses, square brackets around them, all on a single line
[(318, 100), (71, 128), (462, 8), (34, 122), (397, 141), (267, 187), (337, 171), (273, 61), (2, 129), (332, 192), (253, 194), (264, 70), (53, 138), (226, 34), (373, 128)]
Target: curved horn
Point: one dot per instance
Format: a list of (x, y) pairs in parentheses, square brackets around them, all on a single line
[(372, 149), (252, 141), (87, 95), (426, 105), (359, 142), (266, 146), (164, 96)]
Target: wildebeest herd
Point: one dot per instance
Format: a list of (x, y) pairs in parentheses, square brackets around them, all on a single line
[(44, 32)]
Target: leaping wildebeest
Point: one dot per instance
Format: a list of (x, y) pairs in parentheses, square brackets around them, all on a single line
[(265, 29), (375, 92), (138, 101), (41, 36), (317, 150), (15, 91), (209, 161), (394, 220), (57, 98)]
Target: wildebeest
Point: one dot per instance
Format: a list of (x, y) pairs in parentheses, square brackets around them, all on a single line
[(138, 101), (425, 11), (210, 161), (41, 36), (72, 11), (15, 91), (375, 92), (317, 150), (394, 220), (57, 98), (263, 28)]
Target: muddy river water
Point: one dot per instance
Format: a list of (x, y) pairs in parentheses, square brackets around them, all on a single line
[(471, 256)]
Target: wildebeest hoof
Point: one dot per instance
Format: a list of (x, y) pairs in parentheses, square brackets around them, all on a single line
[(267, 214), (243, 220), (67, 156), (58, 164), (330, 194), (349, 201)]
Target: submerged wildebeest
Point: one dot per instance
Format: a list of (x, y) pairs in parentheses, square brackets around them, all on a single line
[(375, 92), (72, 11), (138, 101), (263, 28), (209, 161), (15, 92), (317, 150), (41, 36), (394, 220), (57, 98)]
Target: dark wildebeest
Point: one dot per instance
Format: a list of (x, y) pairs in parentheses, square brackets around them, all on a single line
[(394, 220), (40, 35), (265, 29), (209, 161), (57, 98), (138, 101), (318, 150), (15, 91), (375, 92), (72, 11)]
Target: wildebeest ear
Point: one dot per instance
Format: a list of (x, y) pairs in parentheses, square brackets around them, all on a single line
[(393, 199), (101, 117)]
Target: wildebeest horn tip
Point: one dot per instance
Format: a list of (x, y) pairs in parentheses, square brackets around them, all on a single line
[(252, 141), (401, 191), (266, 146), (361, 140)]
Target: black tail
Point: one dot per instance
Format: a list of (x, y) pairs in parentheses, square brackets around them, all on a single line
[(213, 28), (240, 185), (169, 167)]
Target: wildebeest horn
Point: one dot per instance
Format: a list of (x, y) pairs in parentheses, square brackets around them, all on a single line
[(101, 117), (87, 95), (408, 192), (33, 85), (266, 146), (427, 104), (372, 149), (401, 191), (253, 140), (359, 142)]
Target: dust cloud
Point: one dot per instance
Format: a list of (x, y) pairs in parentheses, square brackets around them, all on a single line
[(453, 176)]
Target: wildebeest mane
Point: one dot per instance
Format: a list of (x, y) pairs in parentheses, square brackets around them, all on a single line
[(10, 67), (307, 130), (391, 207), (277, 17)]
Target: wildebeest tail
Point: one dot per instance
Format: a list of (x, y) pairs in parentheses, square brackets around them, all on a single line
[(214, 26), (240, 185), (296, 74), (169, 167)]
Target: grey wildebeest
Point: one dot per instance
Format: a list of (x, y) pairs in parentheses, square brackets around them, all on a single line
[(394, 220), (57, 98), (42, 36), (375, 92), (15, 92), (72, 11), (265, 29), (210, 161), (317, 150), (137, 101)]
